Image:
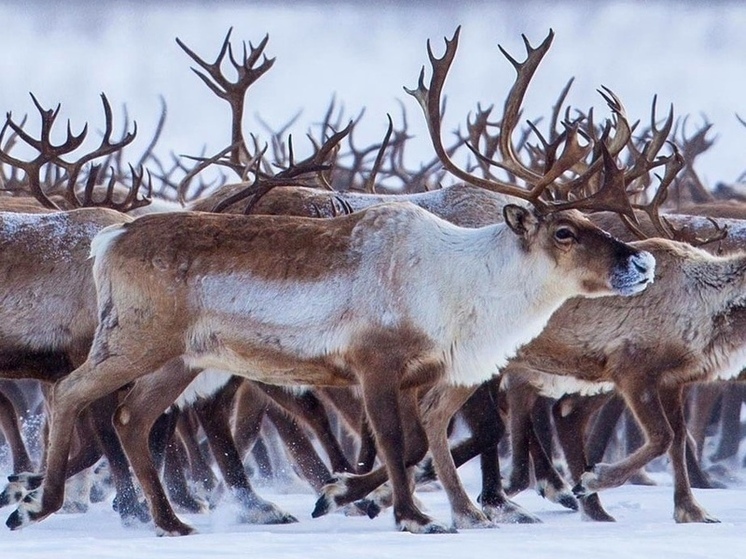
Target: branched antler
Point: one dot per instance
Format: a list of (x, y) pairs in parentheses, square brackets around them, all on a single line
[(610, 196), (248, 70), (58, 170), (291, 175)]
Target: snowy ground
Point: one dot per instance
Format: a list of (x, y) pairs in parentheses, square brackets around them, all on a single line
[(644, 528)]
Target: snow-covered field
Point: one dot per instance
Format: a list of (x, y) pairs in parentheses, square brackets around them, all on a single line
[(644, 529), (690, 54)]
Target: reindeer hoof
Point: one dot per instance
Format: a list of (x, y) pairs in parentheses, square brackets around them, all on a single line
[(28, 511), (368, 507), (693, 513), (568, 500), (17, 520), (562, 495), (592, 510), (431, 527), (12, 493), (580, 491), (473, 520), (19, 486), (138, 513), (328, 501), (178, 529), (510, 513), (324, 505), (266, 513), (590, 482), (131, 509)]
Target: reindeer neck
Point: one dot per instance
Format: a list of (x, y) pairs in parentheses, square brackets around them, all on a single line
[(499, 305), (724, 276)]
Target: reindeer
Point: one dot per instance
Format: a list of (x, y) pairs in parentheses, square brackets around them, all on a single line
[(48, 297), (349, 361), (380, 330)]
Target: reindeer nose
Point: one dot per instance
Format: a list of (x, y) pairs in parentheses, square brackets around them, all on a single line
[(644, 262)]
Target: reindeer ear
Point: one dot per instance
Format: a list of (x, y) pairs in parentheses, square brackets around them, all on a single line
[(522, 221)]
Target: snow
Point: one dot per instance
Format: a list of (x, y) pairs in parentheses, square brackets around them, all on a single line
[(689, 53), (644, 528)]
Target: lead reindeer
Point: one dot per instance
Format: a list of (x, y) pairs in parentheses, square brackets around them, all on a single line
[(231, 292)]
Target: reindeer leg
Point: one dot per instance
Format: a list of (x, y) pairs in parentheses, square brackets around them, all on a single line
[(483, 417), (571, 415), (160, 435), (199, 467), (349, 407), (603, 428), (730, 420), (438, 407), (175, 466), (21, 480), (697, 476), (384, 410), (520, 399), (309, 408), (127, 504), (170, 455), (702, 399), (301, 450), (12, 431), (395, 418), (549, 484), (213, 414), (250, 406), (366, 457), (686, 508), (134, 419), (645, 402), (85, 455), (70, 395)]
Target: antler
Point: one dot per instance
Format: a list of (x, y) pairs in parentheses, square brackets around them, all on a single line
[(131, 200), (315, 164), (234, 93), (52, 155), (48, 152), (106, 147), (12, 181), (610, 196), (692, 147), (673, 164)]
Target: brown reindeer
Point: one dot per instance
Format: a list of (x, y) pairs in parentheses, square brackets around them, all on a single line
[(698, 342), (51, 156), (211, 284), (48, 297)]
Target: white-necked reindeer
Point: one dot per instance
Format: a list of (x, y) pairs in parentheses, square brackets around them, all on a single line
[(392, 299)]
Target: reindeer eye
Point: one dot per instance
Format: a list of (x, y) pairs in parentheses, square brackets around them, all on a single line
[(565, 234)]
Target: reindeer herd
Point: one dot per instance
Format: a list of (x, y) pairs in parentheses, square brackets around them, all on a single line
[(359, 307)]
